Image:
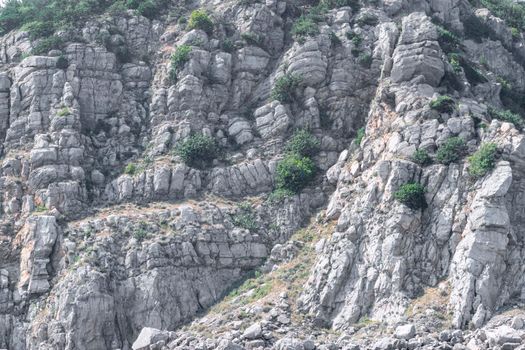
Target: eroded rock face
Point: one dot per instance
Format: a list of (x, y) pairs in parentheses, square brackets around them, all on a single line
[(109, 241)]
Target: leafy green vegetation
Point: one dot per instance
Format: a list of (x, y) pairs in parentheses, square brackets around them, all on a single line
[(252, 38), (62, 63), (483, 160), (512, 12), (279, 194), (178, 59), (359, 136), (303, 143), (507, 116), (245, 217), (45, 45), (334, 39), (451, 151), (448, 40), (284, 88), (459, 63), (365, 60), (131, 169), (443, 104), (140, 234), (43, 18), (304, 26), (421, 157), (295, 172), (199, 19), (63, 112), (412, 195), (198, 150)]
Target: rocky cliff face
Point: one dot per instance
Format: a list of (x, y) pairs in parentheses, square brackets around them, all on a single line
[(108, 240)]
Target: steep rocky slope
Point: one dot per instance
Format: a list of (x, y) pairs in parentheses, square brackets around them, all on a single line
[(111, 239)]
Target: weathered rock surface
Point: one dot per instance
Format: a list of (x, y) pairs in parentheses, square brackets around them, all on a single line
[(108, 240)]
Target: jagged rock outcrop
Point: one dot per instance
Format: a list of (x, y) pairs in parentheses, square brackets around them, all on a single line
[(111, 239)]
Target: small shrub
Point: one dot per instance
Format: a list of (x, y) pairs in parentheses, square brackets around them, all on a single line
[(40, 208), (198, 150), (47, 44), (62, 63), (295, 172), (451, 151), (448, 41), (365, 60), (355, 37), (279, 194), (334, 39), (303, 27), (421, 157), (483, 160), (199, 19), (515, 32), (412, 195), (303, 143), (507, 116), (443, 104), (359, 136), (178, 60), (245, 218), (140, 234), (131, 169), (251, 38), (63, 112), (284, 88), (227, 45), (454, 60)]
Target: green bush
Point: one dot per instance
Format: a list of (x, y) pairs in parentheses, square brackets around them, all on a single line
[(443, 104), (251, 38), (198, 150), (303, 27), (356, 38), (448, 41), (47, 44), (199, 19), (334, 39), (279, 194), (178, 60), (295, 172), (512, 12), (507, 116), (421, 157), (245, 218), (63, 112), (43, 18), (303, 143), (227, 45), (451, 151), (284, 88), (62, 63), (360, 134), (483, 160), (412, 195), (130, 169), (365, 60)]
